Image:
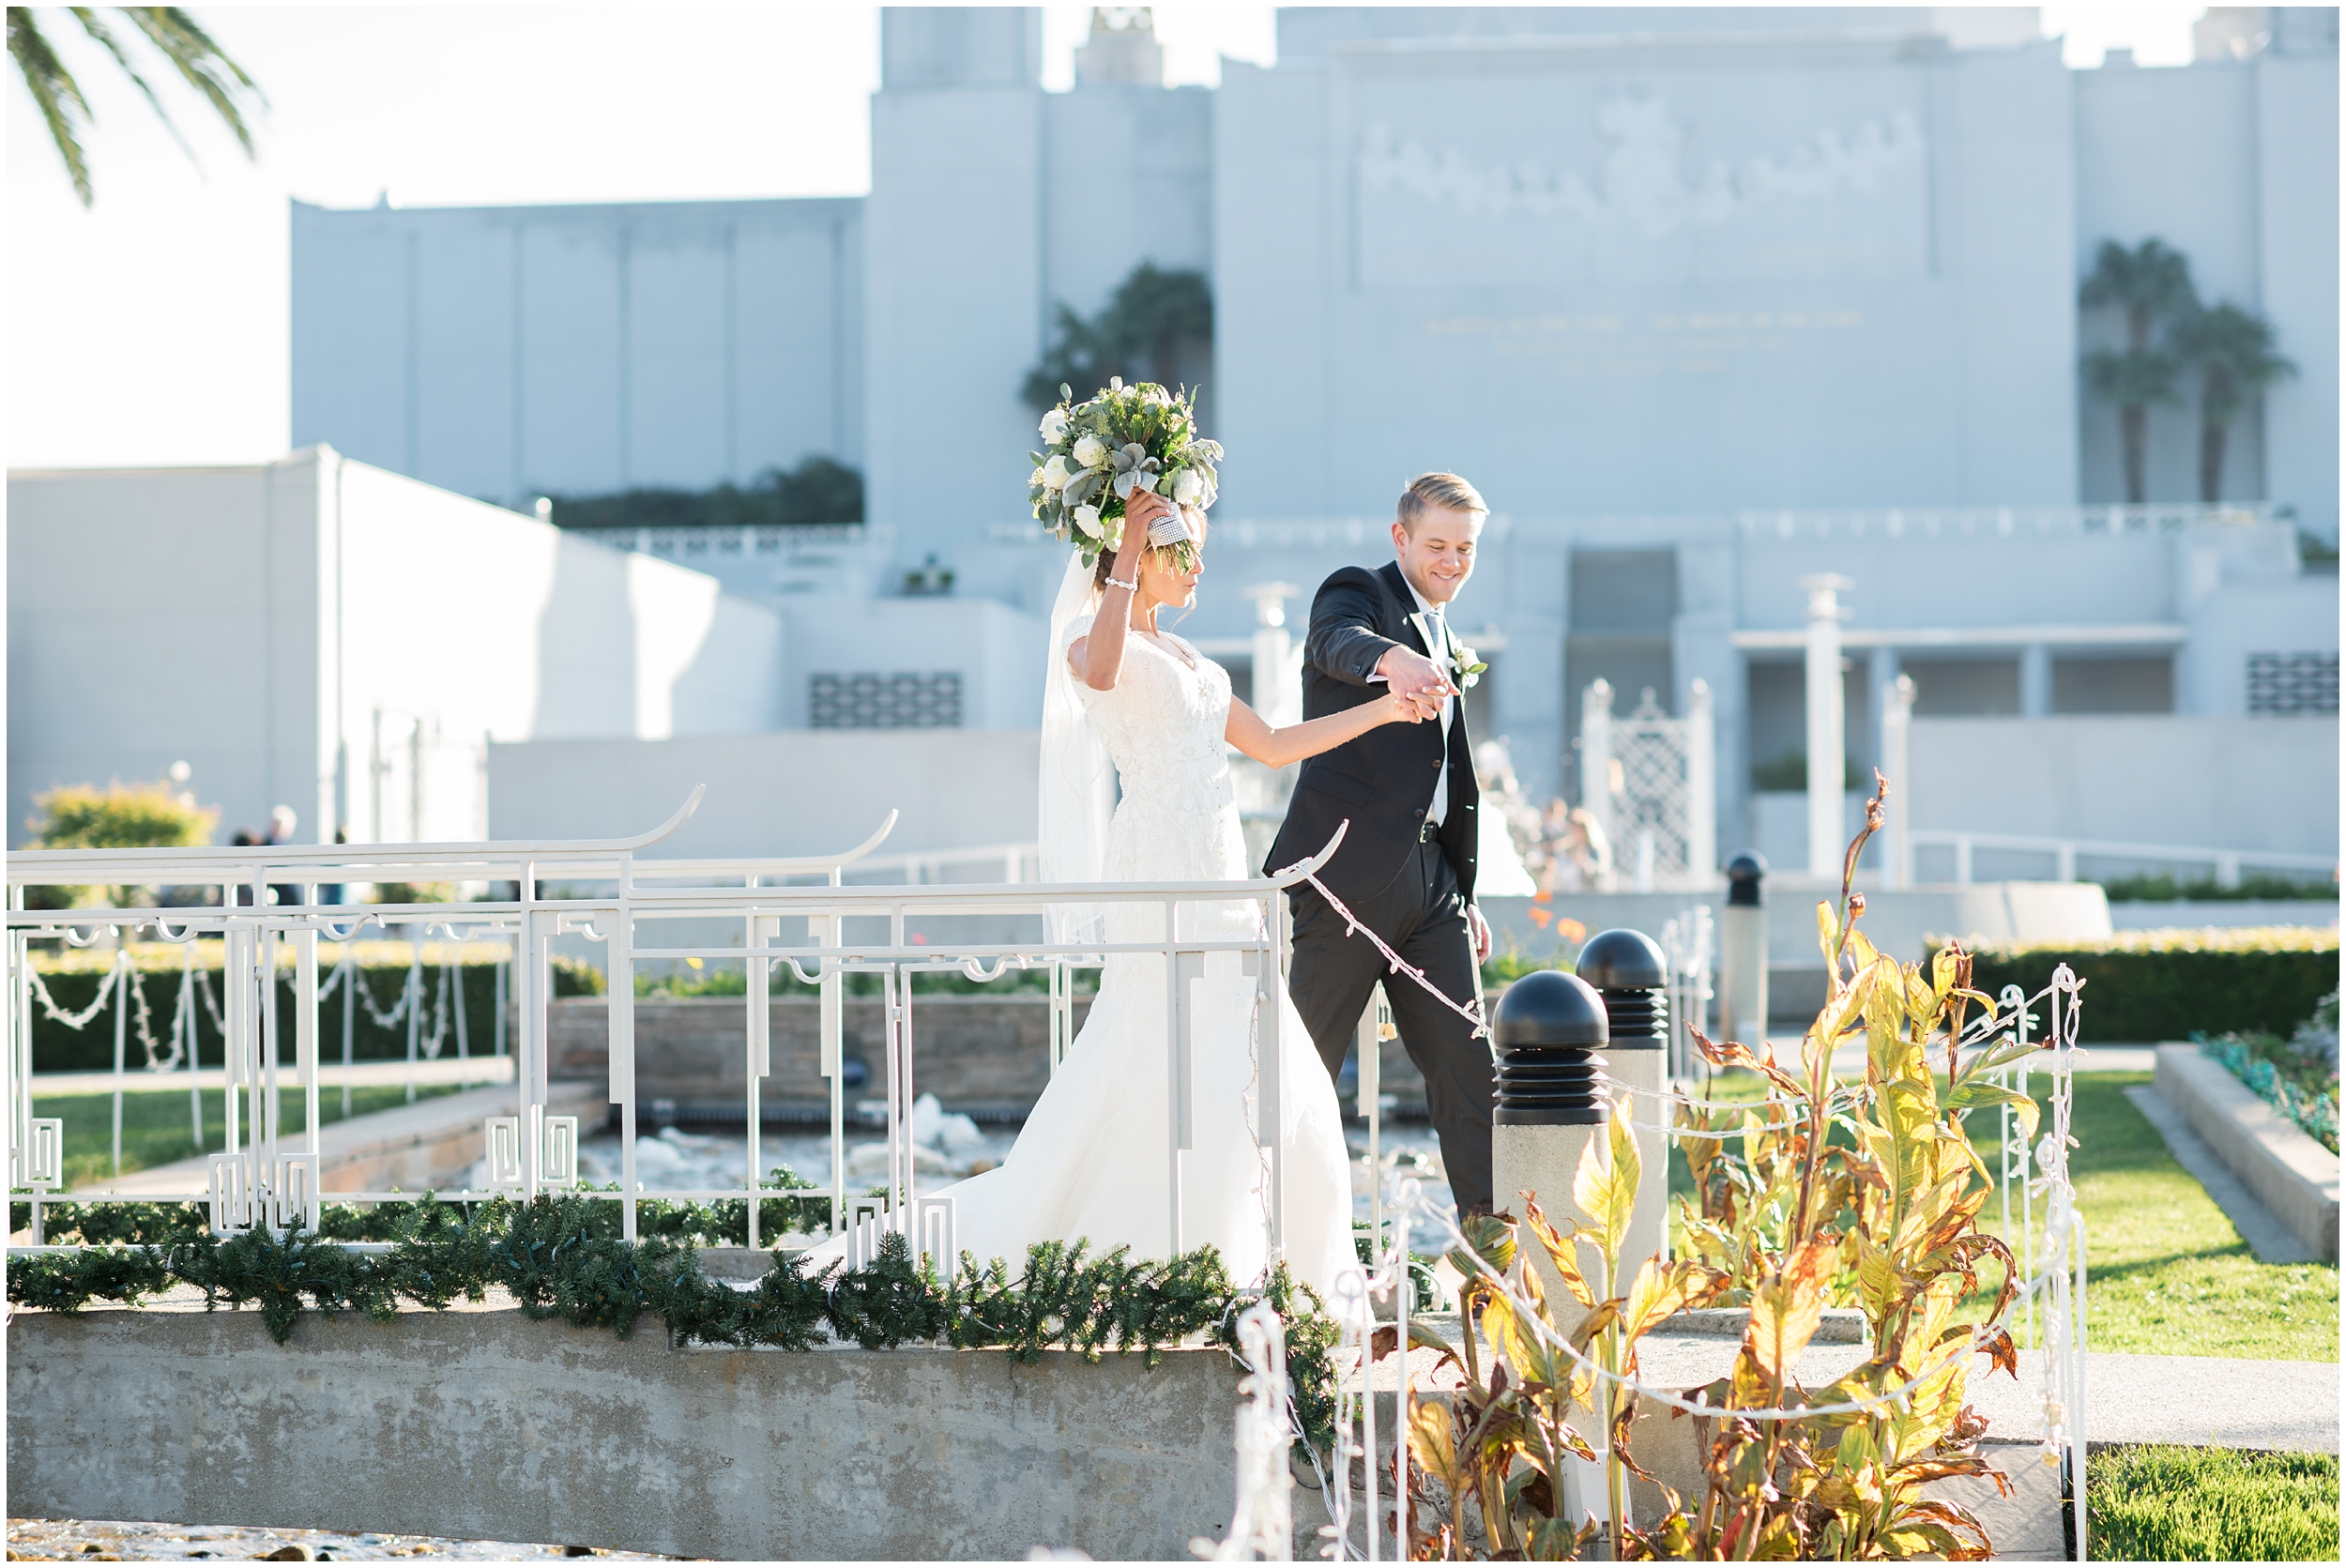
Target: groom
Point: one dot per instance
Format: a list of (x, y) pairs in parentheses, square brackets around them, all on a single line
[(1406, 869)]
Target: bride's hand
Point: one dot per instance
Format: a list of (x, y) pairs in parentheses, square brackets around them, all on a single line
[(1401, 707), (1144, 508)]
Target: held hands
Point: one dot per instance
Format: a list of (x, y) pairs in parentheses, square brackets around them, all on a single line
[(1416, 681)]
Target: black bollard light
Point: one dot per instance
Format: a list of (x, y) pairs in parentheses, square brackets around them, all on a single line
[(1549, 1028), (1628, 970), (1744, 953)]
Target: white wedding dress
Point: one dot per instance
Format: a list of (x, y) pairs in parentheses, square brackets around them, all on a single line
[(1091, 1163)]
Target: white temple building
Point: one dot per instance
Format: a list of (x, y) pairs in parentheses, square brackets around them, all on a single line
[(1710, 302)]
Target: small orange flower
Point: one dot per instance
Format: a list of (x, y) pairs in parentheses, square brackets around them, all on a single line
[(1540, 917), (1571, 928)]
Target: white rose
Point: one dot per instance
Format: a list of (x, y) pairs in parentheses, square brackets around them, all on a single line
[(1089, 453), (1187, 487), (1055, 473), (1035, 478), (1088, 519), (1054, 426)]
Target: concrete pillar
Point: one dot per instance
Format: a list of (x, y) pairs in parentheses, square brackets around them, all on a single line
[(1826, 748), (1744, 953), (1596, 759), (1279, 678), (1702, 786), (1898, 714), (2035, 682)]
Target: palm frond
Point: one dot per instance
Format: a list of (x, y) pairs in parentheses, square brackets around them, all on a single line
[(202, 62), (87, 16), (55, 94)]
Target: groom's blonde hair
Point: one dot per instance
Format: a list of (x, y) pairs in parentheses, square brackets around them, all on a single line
[(1447, 491)]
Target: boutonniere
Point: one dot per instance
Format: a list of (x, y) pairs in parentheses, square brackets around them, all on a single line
[(1464, 665)]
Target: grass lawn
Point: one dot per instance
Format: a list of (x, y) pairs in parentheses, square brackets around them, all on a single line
[(156, 1127), (2160, 1504), (2166, 1273)]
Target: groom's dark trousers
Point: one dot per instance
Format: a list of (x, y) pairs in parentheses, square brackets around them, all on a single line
[(1403, 878)]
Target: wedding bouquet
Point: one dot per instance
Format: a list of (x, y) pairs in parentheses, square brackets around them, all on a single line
[(1097, 452)]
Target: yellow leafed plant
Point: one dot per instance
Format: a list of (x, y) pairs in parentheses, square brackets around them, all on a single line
[(1785, 1220)]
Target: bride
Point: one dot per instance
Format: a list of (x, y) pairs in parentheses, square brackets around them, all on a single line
[(1091, 1163)]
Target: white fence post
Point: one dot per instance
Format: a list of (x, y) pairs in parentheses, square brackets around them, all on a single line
[(1898, 717), (1596, 759), (1702, 789)]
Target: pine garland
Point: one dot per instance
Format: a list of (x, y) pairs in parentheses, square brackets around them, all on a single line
[(560, 1257)]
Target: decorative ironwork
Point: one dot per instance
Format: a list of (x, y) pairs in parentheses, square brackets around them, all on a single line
[(2293, 683), (1650, 781), (873, 701)]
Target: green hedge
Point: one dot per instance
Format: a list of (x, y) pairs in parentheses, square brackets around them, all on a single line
[(72, 978), (2145, 986), (562, 1258)]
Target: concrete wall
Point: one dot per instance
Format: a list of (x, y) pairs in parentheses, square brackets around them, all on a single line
[(997, 651), (486, 1425), (802, 792), (1549, 243), (322, 633), (507, 352), (2222, 783)]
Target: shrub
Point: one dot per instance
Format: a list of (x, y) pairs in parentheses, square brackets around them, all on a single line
[(1788, 773), (2164, 888), (816, 491), (120, 816), (2154, 985), (2297, 1076)]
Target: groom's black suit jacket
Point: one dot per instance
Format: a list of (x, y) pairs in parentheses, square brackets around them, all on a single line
[(1382, 781)]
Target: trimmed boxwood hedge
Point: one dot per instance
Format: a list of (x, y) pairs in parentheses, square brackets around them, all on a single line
[(2146, 987)]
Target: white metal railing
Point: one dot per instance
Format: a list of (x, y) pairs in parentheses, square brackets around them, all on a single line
[(2065, 854), (1999, 522), (823, 933)]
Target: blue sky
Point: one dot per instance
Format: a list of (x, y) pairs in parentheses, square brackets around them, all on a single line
[(151, 329)]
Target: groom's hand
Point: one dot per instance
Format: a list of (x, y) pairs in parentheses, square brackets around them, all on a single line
[(1412, 674), (1482, 931)]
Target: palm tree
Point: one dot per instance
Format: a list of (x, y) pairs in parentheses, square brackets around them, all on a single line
[(172, 31), (1156, 314), (2233, 351), (2152, 284)]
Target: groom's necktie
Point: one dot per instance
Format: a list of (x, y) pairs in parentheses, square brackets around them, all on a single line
[(1439, 651)]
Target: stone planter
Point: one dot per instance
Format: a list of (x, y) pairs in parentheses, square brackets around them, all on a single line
[(2293, 1176)]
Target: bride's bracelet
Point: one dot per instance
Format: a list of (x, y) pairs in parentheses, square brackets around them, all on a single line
[(1132, 586)]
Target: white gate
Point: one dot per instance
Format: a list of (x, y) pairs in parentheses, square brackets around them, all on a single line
[(1650, 781)]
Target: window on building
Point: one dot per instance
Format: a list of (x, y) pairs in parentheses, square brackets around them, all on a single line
[(2113, 684), (1965, 688), (2292, 682), (874, 701)]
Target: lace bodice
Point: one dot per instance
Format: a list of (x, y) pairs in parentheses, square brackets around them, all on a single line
[(1163, 723)]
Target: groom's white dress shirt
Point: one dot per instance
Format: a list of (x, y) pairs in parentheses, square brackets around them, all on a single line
[(1438, 649)]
